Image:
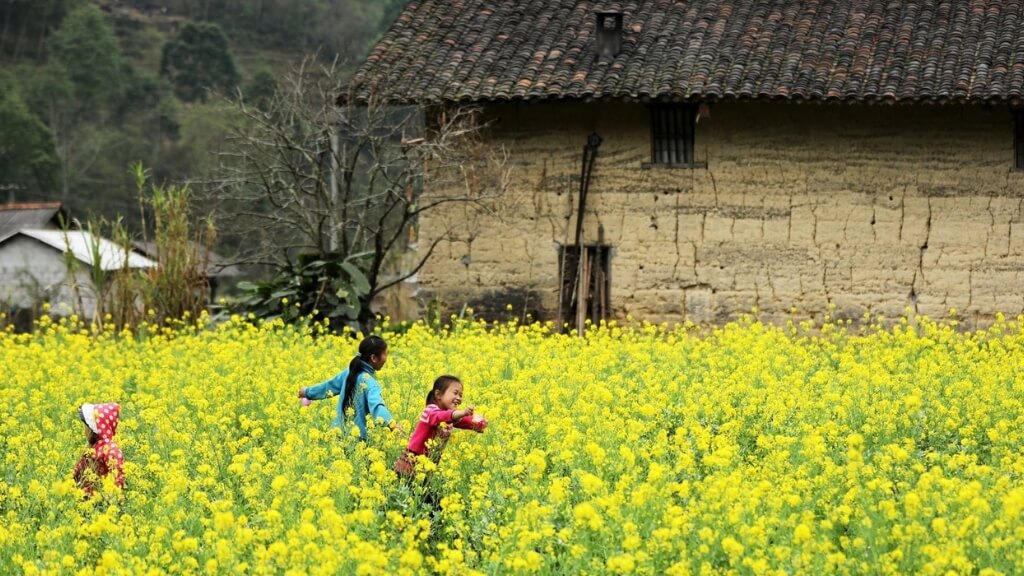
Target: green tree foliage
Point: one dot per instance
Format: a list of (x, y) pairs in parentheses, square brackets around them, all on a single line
[(327, 288), (259, 92), (25, 25), (333, 27), (206, 130), (28, 159), (199, 59), (102, 112), (49, 92), (83, 95), (88, 50)]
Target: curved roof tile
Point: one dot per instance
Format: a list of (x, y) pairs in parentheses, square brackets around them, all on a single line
[(856, 50)]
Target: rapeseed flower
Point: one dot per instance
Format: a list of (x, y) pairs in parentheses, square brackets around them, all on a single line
[(646, 449)]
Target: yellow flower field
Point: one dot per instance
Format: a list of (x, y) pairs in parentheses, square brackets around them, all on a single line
[(750, 449)]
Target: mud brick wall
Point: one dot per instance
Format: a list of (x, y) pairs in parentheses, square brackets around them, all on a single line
[(801, 206)]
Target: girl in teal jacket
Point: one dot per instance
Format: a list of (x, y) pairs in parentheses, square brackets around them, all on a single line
[(357, 387)]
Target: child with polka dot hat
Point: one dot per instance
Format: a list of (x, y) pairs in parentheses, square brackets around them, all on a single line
[(104, 455)]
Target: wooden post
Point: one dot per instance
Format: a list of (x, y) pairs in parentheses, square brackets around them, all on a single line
[(582, 282), (583, 277)]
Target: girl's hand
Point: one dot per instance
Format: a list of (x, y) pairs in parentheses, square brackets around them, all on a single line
[(460, 414), (479, 423), (302, 397)]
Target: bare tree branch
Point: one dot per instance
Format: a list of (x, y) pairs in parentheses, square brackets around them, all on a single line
[(312, 180)]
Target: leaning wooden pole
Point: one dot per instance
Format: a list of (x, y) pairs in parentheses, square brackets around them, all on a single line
[(581, 293)]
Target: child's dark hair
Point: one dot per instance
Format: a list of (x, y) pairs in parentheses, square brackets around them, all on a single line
[(93, 437), (441, 386), (368, 347)]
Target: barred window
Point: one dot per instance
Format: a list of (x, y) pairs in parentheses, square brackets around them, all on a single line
[(672, 134)]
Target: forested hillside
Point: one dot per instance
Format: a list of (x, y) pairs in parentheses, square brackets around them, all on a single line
[(88, 87)]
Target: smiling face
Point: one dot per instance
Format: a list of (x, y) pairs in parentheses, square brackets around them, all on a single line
[(450, 398)]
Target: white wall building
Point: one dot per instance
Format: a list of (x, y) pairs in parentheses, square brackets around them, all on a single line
[(34, 268)]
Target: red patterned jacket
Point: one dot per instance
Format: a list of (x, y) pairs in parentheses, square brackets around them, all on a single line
[(104, 456)]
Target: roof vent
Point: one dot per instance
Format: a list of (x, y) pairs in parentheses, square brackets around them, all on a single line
[(609, 34)]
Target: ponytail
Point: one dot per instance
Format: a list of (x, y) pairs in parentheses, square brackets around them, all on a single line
[(371, 345)]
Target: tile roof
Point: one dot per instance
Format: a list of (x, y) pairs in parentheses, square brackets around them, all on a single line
[(857, 50), (29, 215)]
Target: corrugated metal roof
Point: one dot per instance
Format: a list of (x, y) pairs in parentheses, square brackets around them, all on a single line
[(80, 243)]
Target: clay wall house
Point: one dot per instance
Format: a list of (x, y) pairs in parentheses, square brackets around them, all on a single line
[(853, 155)]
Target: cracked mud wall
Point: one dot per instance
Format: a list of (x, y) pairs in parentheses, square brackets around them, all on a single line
[(866, 208)]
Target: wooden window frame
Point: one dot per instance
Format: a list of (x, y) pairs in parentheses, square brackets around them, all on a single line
[(673, 136)]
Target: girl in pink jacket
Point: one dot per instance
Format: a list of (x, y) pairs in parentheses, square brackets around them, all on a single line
[(436, 422)]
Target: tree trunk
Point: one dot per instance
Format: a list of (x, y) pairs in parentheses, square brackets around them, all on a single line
[(7, 26), (333, 215), (21, 37), (43, 27)]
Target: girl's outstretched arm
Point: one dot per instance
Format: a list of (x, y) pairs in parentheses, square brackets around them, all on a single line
[(331, 387), (459, 418), (473, 422)]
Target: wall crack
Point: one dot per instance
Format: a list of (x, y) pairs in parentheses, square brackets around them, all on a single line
[(919, 272)]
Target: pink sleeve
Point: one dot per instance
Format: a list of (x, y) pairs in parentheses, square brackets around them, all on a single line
[(468, 423), (434, 415)]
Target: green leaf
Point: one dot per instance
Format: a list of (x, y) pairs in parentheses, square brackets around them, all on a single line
[(345, 312), (359, 281), (353, 299)]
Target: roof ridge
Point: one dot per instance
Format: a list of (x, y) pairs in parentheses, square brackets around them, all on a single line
[(30, 205), (818, 50)]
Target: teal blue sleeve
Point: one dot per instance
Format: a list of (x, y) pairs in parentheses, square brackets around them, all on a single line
[(375, 402), (332, 387)]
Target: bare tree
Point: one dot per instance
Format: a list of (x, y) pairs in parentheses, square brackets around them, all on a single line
[(311, 182)]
